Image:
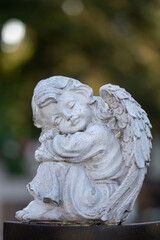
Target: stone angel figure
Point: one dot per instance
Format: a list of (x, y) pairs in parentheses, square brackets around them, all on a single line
[(93, 154)]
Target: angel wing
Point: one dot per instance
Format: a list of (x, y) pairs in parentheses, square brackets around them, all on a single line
[(135, 140)]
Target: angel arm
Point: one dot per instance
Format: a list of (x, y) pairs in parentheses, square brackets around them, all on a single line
[(73, 148)]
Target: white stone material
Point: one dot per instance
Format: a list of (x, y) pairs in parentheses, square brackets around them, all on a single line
[(93, 155)]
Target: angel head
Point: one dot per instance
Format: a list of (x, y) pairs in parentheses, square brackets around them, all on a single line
[(66, 104)]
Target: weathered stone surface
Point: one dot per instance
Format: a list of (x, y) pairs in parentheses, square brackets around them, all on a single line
[(93, 155)]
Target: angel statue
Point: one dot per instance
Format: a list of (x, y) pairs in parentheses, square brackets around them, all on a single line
[(93, 154)]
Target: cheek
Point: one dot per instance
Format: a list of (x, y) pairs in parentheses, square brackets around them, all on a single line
[(87, 113), (83, 111), (64, 126)]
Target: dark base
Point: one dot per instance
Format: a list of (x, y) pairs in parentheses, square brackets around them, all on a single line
[(23, 231)]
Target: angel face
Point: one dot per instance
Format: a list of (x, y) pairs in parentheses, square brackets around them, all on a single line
[(70, 114)]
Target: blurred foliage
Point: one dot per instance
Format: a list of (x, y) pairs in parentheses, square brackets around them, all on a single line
[(108, 42)]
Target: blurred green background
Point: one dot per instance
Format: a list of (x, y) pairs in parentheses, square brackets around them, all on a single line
[(94, 41)]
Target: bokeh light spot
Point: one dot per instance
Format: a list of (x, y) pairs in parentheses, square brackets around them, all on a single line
[(72, 7), (13, 32)]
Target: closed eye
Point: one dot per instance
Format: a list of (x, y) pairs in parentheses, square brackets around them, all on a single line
[(71, 104), (57, 120)]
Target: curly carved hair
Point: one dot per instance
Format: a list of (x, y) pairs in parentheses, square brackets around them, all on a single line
[(48, 90)]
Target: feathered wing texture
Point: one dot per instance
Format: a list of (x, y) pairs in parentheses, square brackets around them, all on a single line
[(132, 126)]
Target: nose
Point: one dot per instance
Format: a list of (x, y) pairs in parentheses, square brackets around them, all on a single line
[(68, 116)]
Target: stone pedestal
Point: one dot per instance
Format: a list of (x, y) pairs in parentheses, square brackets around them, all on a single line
[(19, 231)]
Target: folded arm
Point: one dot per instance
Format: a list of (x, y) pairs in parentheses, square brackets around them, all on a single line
[(73, 148)]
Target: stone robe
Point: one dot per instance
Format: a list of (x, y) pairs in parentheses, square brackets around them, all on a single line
[(84, 167)]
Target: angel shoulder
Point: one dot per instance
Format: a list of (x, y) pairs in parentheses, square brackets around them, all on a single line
[(102, 133)]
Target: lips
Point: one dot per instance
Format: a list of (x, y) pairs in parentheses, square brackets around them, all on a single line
[(74, 121)]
